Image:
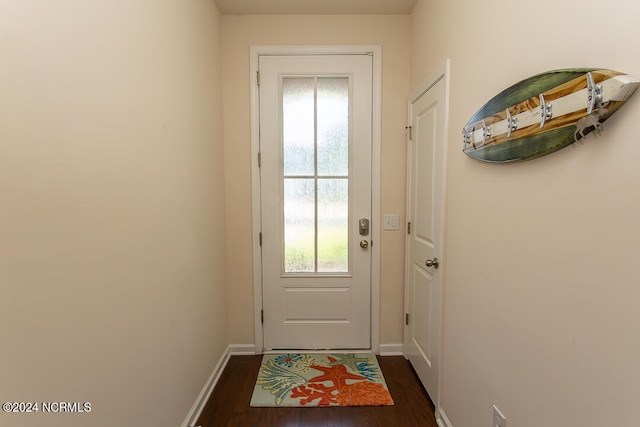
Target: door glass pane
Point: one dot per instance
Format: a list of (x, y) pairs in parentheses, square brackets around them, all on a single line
[(299, 225), (315, 146), (333, 126), (298, 125), (333, 225)]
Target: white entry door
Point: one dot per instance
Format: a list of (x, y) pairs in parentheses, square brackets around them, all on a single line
[(425, 204), (315, 150)]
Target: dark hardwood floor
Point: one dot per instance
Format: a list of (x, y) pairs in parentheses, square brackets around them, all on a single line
[(229, 402)]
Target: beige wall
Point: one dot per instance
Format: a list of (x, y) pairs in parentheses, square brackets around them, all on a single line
[(238, 34), (541, 310), (111, 208)]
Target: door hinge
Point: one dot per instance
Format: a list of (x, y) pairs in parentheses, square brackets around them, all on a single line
[(259, 159), (258, 77), (260, 238), (408, 228), (406, 318), (410, 129), (262, 316)]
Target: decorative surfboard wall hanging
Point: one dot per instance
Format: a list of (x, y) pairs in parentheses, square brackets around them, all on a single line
[(545, 113)]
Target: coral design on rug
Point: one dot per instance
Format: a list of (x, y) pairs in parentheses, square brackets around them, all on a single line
[(320, 380)]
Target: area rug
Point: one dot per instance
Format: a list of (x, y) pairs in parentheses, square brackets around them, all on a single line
[(304, 380)]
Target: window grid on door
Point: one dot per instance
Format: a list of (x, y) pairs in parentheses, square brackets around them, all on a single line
[(315, 175)]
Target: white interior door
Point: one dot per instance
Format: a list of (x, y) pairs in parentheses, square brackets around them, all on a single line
[(315, 150), (424, 245)]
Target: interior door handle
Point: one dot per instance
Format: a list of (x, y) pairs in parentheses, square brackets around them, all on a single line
[(432, 263)]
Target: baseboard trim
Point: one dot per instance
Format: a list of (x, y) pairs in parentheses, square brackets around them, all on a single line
[(391, 349), (250, 350), (204, 395), (441, 419), (242, 349)]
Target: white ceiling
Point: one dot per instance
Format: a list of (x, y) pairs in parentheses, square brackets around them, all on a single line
[(315, 7)]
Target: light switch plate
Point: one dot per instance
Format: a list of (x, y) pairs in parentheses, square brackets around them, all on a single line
[(391, 222)]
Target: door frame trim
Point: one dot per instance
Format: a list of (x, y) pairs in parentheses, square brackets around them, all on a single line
[(443, 72), (376, 52)]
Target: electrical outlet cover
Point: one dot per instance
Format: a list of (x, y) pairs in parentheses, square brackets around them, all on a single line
[(499, 420)]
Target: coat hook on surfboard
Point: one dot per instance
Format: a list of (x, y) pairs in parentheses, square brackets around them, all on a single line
[(545, 113)]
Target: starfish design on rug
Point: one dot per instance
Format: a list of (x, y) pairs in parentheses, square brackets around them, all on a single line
[(350, 360), (337, 374)]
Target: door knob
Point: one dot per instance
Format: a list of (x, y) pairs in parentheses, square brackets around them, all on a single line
[(364, 244), (432, 263)]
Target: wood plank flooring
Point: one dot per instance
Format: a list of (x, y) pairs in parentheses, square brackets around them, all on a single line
[(229, 402)]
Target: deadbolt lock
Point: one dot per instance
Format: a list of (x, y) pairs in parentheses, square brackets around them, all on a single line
[(363, 226)]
